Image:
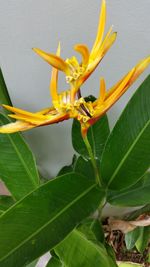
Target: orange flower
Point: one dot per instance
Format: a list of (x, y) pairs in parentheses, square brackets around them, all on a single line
[(87, 113), (69, 104), (77, 73)]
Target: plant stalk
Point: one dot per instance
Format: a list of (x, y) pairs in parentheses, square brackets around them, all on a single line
[(93, 161)]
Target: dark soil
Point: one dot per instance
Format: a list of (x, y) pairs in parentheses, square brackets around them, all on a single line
[(116, 240)]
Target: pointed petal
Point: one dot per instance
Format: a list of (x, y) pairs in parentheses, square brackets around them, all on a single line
[(53, 60), (121, 89), (34, 120), (24, 113), (102, 90), (84, 51), (107, 43), (16, 127), (139, 68), (54, 79), (100, 31), (102, 108)]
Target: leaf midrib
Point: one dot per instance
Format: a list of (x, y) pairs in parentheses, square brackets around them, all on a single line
[(23, 162), (128, 152), (49, 222), (129, 192)]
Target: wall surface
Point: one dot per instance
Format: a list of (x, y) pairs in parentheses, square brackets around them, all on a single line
[(42, 23)]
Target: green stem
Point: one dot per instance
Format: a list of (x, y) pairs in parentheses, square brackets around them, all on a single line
[(92, 158)]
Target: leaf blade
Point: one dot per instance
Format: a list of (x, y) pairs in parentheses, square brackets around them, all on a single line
[(20, 174), (4, 96), (127, 152), (61, 210), (86, 253), (130, 197)]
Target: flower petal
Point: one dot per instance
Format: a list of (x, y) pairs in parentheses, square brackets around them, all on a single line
[(100, 31), (107, 43), (54, 79), (102, 90), (16, 127), (84, 51), (53, 60), (139, 68), (24, 113)]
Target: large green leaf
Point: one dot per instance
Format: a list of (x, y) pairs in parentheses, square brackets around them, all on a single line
[(32, 264), (131, 238), (143, 239), (54, 262), (77, 250), (5, 202), (84, 167), (4, 96), (127, 152), (92, 229), (17, 164), (97, 136), (68, 168), (130, 197), (38, 222)]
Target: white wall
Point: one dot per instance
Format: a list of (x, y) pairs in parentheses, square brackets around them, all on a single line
[(42, 23)]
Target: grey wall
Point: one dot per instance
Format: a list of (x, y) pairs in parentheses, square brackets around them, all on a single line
[(42, 23)]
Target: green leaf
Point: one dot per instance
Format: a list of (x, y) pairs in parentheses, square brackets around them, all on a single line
[(127, 152), (6, 202), (130, 197), (131, 238), (38, 222), (84, 167), (143, 239), (68, 168), (32, 264), (97, 136), (92, 229), (77, 250), (4, 96), (54, 262), (17, 164)]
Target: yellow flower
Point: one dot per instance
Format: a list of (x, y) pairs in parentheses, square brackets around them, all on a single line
[(70, 104), (77, 73), (87, 113)]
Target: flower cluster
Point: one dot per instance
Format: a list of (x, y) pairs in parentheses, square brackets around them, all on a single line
[(70, 103)]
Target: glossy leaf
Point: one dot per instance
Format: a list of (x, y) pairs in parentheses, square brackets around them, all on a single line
[(97, 136), (84, 167), (77, 250), (17, 164), (32, 264), (143, 239), (92, 229), (54, 262), (44, 217), (131, 238), (130, 197), (68, 168), (127, 152), (4, 96), (6, 202)]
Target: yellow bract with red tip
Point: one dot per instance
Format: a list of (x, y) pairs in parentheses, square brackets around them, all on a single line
[(70, 103)]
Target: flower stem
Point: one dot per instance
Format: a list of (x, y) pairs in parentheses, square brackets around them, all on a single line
[(92, 158)]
